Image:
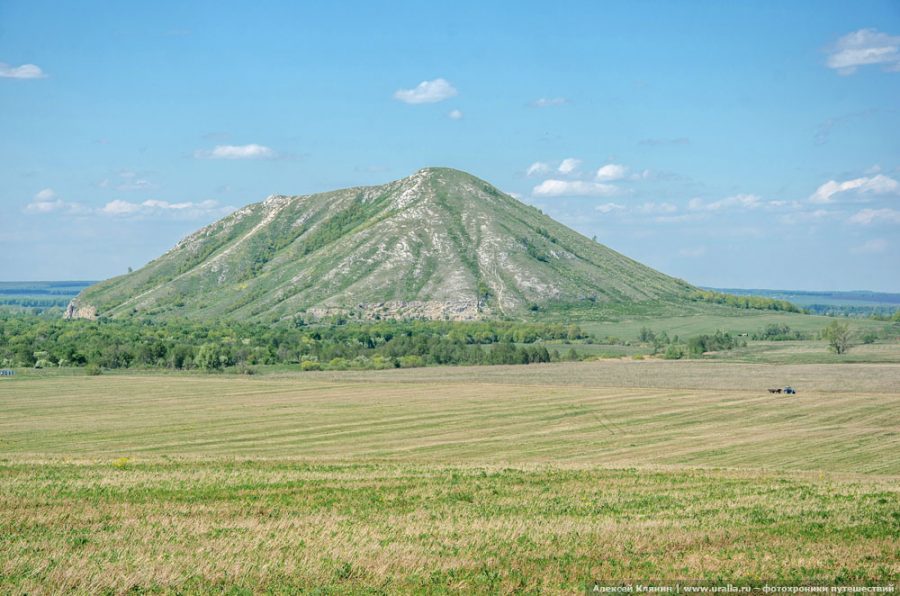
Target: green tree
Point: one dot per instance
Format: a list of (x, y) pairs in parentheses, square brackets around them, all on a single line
[(837, 334), (210, 357)]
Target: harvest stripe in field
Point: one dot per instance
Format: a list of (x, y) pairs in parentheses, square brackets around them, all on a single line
[(330, 418)]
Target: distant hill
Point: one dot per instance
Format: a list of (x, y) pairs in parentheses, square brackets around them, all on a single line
[(438, 244), (38, 296), (856, 302)]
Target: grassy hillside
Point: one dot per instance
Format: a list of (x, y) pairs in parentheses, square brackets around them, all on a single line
[(438, 244), (533, 479)]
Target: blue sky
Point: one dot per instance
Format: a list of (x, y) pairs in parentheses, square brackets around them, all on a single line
[(751, 144)]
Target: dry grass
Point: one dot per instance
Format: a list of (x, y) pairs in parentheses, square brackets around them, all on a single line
[(611, 414), (498, 479)]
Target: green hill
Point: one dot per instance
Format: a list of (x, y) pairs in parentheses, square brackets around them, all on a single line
[(438, 244)]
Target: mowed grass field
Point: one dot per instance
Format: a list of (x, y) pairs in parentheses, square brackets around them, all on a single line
[(532, 478)]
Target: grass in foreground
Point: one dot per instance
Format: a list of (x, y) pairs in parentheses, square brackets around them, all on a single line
[(491, 479), (280, 526)]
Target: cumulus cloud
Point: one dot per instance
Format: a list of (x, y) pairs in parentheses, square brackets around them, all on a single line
[(120, 208), (549, 102), (251, 151), (26, 71), (573, 188), (875, 245), (455, 114), (609, 207), (878, 184), (537, 168), (743, 201), (611, 172), (864, 47), (427, 92), (569, 165), (869, 216), (45, 201)]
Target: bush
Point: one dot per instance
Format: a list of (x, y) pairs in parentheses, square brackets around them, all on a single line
[(244, 369), (338, 364), (308, 365), (673, 352), (92, 370), (411, 361)]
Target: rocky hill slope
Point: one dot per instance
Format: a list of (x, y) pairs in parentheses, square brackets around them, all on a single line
[(438, 244)]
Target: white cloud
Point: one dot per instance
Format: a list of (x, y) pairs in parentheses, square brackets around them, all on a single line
[(878, 184), (875, 245), (609, 207), (869, 216), (537, 168), (568, 165), (47, 194), (119, 208), (611, 172), (251, 151), (863, 47), (575, 188), (26, 71), (45, 201), (427, 92), (743, 201), (455, 114), (549, 102)]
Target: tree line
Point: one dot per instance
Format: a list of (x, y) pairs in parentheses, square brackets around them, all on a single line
[(745, 302), (29, 341)]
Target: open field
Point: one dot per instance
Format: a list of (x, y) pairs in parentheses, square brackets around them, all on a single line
[(713, 317), (524, 478)]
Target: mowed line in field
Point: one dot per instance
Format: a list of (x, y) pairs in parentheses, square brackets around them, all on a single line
[(322, 417)]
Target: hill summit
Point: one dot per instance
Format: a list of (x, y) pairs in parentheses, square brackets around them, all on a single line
[(438, 244)]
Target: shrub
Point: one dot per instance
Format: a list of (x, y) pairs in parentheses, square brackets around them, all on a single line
[(92, 370), (338, 364), (673, 352), (243, 368), (412, 361)]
